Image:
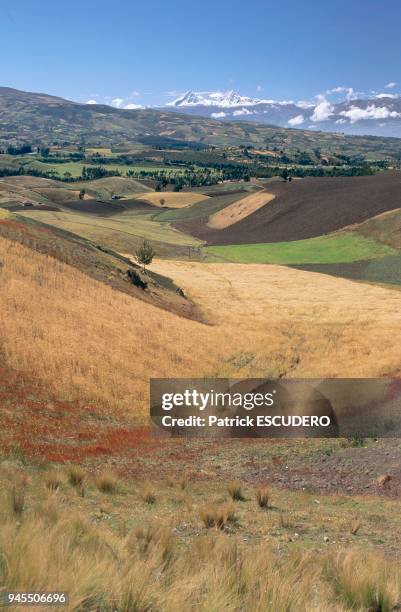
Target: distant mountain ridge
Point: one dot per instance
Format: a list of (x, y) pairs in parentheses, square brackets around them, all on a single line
[(379, 115), (38, 118)]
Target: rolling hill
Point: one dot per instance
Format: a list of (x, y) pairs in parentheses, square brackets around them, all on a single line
[(42, 119), (307, 208)]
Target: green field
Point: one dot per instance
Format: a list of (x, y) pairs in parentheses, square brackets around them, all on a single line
[(334, 248), (75, 168), (200, 210)]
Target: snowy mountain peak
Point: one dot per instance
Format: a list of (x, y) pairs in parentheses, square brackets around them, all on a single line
[(224, 99)]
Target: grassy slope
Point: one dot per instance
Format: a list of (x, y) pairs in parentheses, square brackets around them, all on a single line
[(385, 227), (385, 270), (201, 209), (343, 247), (110, 360), (45, 119), (122, 232)]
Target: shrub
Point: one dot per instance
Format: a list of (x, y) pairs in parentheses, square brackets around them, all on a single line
[(136, 279)]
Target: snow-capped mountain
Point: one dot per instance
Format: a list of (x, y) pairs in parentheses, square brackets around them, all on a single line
[(223, 99), (379, 114)]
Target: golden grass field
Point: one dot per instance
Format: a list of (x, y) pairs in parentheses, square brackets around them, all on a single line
[(294, 322), (130, 545), (86, 341), (171, 199), (239, 210)]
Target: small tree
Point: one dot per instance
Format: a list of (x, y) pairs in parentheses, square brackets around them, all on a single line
[(162, 201), (144, 254), (284, 175), (82, 194)]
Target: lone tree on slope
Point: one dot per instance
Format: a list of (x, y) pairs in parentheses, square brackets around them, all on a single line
[(144, 254)]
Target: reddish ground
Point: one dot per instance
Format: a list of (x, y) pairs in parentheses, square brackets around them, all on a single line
[(38, 428)]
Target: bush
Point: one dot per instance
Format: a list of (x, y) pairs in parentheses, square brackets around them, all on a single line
[(136, 279)]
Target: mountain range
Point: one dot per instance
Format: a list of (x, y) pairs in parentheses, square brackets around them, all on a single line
[(38, 119), (378, 115)]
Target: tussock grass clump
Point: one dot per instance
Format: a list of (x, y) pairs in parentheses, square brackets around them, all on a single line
[(355, 527), (102, 568), (148, 494), (76, 475), (235, 491), (54, 480), (17, 500), (262, 497), (107, 482), (217, 516), (364, 582), (183, 482), (285, 521), (153, 539)]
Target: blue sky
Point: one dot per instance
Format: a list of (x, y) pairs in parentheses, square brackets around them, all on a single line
[(139, 51)]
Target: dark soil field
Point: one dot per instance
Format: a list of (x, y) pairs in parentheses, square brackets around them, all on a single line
[(106, 209), (384, 270), (307, 208)]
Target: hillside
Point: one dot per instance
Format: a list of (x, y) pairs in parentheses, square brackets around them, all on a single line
[(307, 208), (43, 119)]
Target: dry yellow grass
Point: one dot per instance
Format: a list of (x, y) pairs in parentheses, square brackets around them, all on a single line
[(209, 556), (51, 548), (172, 199), (294, 322), (239, 210), (59, 195), (85, 341)]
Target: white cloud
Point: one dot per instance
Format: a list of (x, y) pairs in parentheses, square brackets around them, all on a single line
[(390, 85), (296, 120), (341, 121), (242, 111), (259, 88), (350, 93), (135, 94), (354, 113), (218, 115), (117, 102), (133, 106), (323, 110), (91, 102), (386, 95), (305, 104)]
